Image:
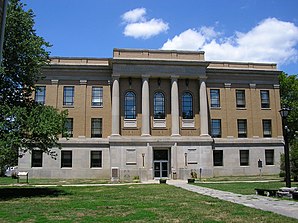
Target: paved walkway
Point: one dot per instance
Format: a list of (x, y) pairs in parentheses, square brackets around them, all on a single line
[(283, 207)]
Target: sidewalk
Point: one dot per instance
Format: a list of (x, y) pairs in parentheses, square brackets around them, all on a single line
[(283, 207)]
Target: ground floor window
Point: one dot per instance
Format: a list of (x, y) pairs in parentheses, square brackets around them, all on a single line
[(66, 158), (269, 156), (36, 158), (96, 159), (244, 157), (217, 157)]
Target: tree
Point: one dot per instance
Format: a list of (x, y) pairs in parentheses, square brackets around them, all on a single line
[(289, 99), (24, 124)]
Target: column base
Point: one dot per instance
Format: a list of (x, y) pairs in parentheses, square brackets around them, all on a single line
[(145, 135), (115, 135), (175, 135), (204, 135)]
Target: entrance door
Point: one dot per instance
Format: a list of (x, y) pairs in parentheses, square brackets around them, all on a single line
[(161, 163)]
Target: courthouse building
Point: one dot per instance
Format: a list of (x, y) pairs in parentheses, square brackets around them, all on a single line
[(155, 113)]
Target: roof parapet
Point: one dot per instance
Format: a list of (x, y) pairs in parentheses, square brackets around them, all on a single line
[(158, 54), (242, 65)]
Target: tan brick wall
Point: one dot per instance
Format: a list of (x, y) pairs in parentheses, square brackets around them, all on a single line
[(228, 113)]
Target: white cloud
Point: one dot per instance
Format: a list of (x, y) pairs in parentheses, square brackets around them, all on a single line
[(134, 15), (138, 26), (190, 39), (271, 40)]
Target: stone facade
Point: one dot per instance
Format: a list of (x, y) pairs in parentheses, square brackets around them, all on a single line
[(162, 114)]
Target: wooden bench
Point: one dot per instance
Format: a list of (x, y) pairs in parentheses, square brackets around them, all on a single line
[(266, 192), (23, 174)]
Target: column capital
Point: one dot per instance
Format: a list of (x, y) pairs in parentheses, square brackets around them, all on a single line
[(174, 77), (145, 76), (252, 85), (115, 76)]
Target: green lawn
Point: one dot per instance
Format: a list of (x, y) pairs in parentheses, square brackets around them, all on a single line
[(246, 188), (129, 203), (49, 181)]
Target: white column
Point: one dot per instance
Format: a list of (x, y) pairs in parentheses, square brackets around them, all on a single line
[(203, 108), (115, 107), (175, 106), (145, 107)]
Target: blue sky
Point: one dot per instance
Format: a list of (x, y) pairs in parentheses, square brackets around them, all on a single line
[(237, 30)]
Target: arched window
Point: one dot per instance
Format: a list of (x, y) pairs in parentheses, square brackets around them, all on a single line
[(187, 111), (130, 105), (159, 105)]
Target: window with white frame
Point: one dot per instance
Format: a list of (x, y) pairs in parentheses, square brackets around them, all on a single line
[(215, 98), (36, 158), (96, 159), (97, 96), (40, 94), (244, 157), (265, 100), (267, 129), (68, 95), (216, 128), (240, 98), (96, 127), (242, 128), (269, 156)]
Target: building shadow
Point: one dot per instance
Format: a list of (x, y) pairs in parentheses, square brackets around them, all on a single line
[(11, 193)]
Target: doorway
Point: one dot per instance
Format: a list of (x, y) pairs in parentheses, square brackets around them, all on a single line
[(161, 162)]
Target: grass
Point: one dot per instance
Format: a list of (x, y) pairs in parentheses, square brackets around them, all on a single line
[(129, 203), (40, 181)]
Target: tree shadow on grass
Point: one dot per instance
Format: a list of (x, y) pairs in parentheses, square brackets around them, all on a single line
[(11, 193)]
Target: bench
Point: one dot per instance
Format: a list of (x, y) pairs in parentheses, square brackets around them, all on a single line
[(266, 192), (23, 174)]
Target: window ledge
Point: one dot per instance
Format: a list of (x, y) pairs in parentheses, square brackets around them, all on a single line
[(265, 108), (188, 123), (96, 168), (215, 108), (239, 108), (66, 168), (159, 123), (68, 106), (130, 123), (95, 106)]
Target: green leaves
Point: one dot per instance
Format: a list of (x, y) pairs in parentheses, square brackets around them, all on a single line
[(24, 124)]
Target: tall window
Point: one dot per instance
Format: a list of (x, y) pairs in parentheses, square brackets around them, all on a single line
[(242, 128), (215, 98), (96, 159), (130, 105), (159, 105), (68, 96), (66, 158), (97, 96), (269, 156), (40, 94), (69, 128), (216, 128), (265, 101), (187, 111), (244, 157), (96, 127), (217, 158), (267, 132), (36, 158), (240, 98)]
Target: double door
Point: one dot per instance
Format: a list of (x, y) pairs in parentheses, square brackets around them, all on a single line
[(161, 163)]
